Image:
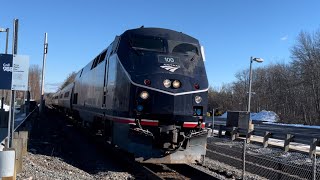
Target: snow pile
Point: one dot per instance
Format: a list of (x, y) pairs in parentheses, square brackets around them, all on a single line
[(224, 115), (5, 107), (267, 116)]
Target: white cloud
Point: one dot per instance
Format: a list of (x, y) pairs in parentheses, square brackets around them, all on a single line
[(284, 38)]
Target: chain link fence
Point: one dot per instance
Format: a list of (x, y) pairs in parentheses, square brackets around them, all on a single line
[(252, 161)]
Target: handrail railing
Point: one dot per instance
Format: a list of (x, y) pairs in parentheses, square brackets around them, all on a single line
[(288, 136), (25, 118)]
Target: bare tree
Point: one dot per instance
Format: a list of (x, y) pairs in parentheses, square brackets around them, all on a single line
[(306, 63), (68, 80), (34, 82)]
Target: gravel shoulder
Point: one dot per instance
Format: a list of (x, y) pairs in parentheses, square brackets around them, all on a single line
[(58, 150)]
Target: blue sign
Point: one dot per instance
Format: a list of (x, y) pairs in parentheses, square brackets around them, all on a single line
[(6, 61)]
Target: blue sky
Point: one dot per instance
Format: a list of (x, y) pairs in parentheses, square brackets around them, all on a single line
[(230, 31)]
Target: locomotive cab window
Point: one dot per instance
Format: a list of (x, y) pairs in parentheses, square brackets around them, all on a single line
[(185, 48), (147, 43)]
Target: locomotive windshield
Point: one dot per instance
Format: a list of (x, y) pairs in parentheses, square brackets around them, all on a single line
[(147, 43), (185, 48)]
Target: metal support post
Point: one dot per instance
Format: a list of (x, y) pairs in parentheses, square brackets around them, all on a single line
[(244, 159), (13, 93), (314, 166), (212, 122), (250, 81), (7, 39), (45, 51)]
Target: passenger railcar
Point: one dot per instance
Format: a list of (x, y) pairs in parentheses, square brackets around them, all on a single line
[(146, 93)]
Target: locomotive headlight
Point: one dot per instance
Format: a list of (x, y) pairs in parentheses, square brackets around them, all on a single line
[(198, 99), (144, 95), (176, 84), (167, 83)]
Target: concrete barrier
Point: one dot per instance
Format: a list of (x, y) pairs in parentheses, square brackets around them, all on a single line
[(7, 162)]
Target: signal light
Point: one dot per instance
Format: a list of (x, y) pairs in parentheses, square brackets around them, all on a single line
[(139, 108), (196, 86), (198, 111), (147, 82)]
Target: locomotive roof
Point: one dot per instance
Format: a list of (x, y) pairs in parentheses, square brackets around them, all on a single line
[(162, 33)]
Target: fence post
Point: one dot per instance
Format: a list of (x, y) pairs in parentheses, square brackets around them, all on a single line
[(314, 166), (313, 145), (24, 136), (266, 139), (234, 133), (244, 159), (17, 144), (287, 142), (220, 131), (212, 122), (248, 135)]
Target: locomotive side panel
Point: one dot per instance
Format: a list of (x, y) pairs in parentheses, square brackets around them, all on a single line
[(118, 102)]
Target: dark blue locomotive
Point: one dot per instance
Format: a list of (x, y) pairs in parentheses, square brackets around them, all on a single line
[(146, 93)]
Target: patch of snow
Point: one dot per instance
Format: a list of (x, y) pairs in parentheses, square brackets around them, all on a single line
[(224, 115), (5, 107), (268, 116)]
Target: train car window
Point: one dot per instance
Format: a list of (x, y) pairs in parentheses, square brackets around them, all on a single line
[(102, 56), (66, 94), (147, 43), (81, 72), (95, 62), (185, 48), (61, 96)]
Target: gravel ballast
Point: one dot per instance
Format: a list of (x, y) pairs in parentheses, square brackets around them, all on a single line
[(58, 150)]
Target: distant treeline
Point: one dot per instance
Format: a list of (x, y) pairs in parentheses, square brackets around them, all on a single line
[(291, 90)]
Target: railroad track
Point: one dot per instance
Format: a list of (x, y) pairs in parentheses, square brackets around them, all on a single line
[(176, 171), (143, 170), (158, 171)]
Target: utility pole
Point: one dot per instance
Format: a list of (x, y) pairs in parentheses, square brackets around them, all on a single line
[(45, 51), (259, 60)]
